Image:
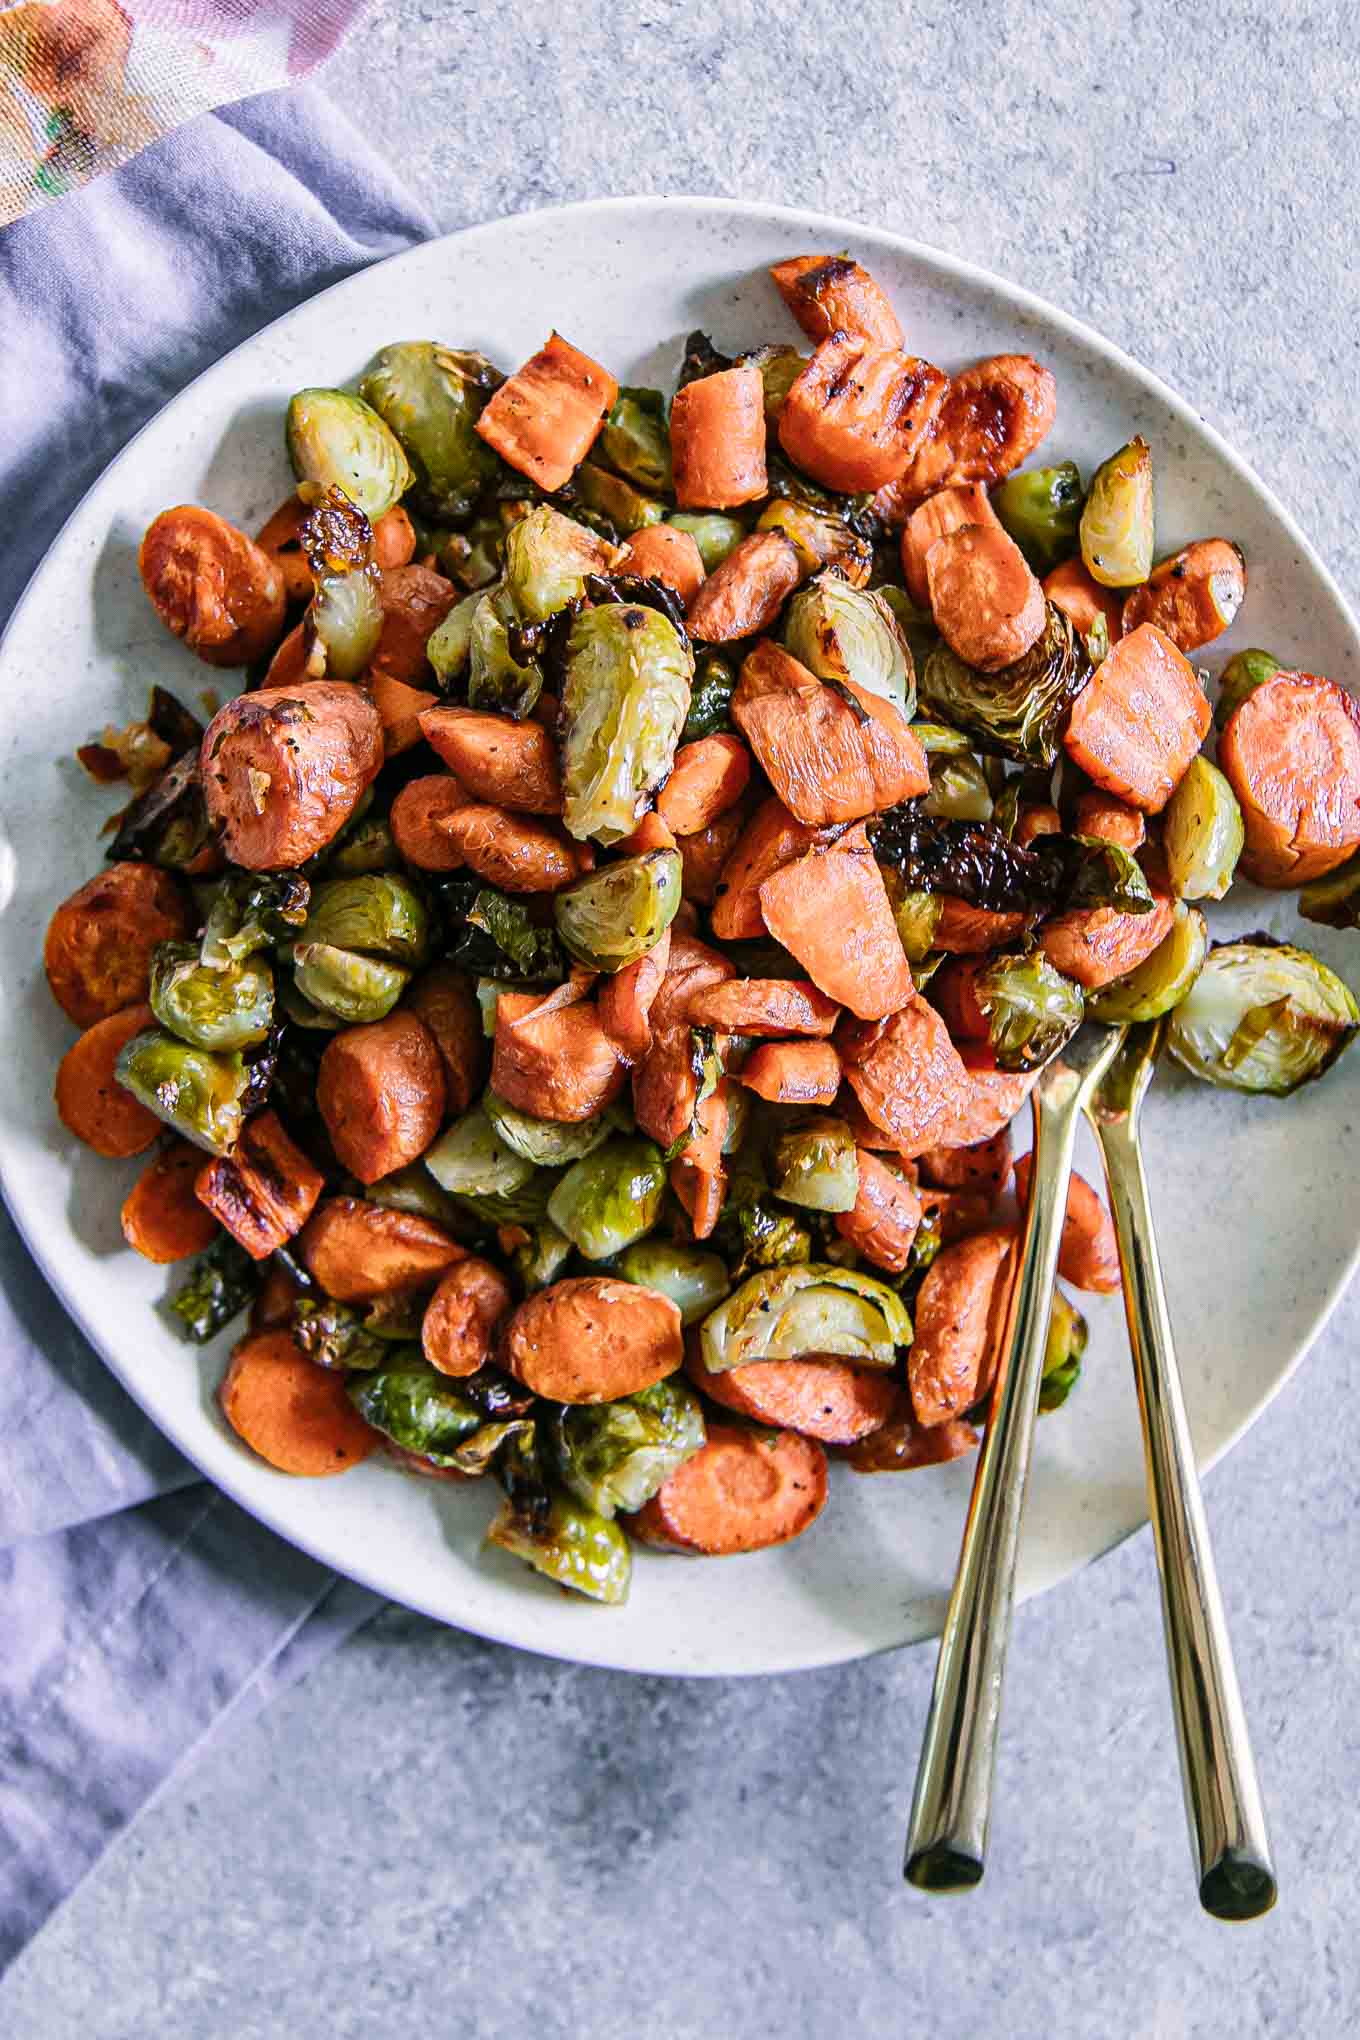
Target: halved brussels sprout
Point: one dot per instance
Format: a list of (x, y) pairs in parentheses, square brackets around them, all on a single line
[(780, 368), (939, 740), (222, 1281), (1021, 710), (1117, 522), (1031, 1009), (815, 1164), (610, 1198), (844, 633), (302, 1012), (1243, 674), (917, 915), (615, 501), (547, 558), (1334, 901), (570, 1544), (548, 1143), (378, 912), (715, 535), (367, 847), (1202, 833), (693, 1280), (821, 539), (470, 1158), (710, 701), (1163, 979), (357, 989), (1262, 1016), (496, 678), (527, 1206), (616, 1455), (1063, 1350), (431, 397), (417, 1407), (624, 702), (958, 789), (1041, 509), (201, 1094), (540, 1259), (1103, 874), (339, 442), (816, 1308), (231, 1008), (449, 647), (414, 1189), (636, 438), (614, 915), (345, 615), (249, 911), (337, 1335)]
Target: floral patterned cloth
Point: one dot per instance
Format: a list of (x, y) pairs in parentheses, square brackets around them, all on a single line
[(85, 84)]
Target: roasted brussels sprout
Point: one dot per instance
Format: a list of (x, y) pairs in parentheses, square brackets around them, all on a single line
[(821, 538), (938, 740), (495, 936), (472, 559), (249, 911), (844, 633), (1334, 901), (568, 1543), (470, 1158), (1030, 1008), (168, 824), (715, 535), (378, 912), (815, 1164), (1262, 1016), (1019, 711), (1102, 874), (1163, 979), (414, 1189), (496, 679), (917, 915), (958, 789), (693, 1280), (611, 1197), (1202, 833), (636, 438), (780, 368), (345, 614), (338, 1335), (785, 1313), (198, 1093), (616, 1455), (222, 1281), (1066, 1343), (1243, 674), (1116, 526), (617, 913), (526, 1207), (752, 1232), (624, 703), (449, 647), (301, 1012), (339, 442), (615, 501), (416, 1406), (548, 1143), (547, 558), (431, 398), (1041, 509), (367, 847), (355, 988), (540, 1258), (710, 701), (231, 1008)]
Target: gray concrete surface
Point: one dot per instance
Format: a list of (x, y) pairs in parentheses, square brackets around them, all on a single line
[(434, 1835)]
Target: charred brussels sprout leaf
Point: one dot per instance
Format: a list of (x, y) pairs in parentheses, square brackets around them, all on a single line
[(198, 1093), (973, 860), (816, 1165), (693, 1280), (701, 358), (938, 740), (715, 535), (471, 1159), (624, 703), (821, 538), (568, 1543), (636, 438), (710, 702), (496, 678), (1334, 901), (547, 1143), (1202, 833), (222, 1281), (377, 912), (251, 910), (616, 1455), (1116, 528), (1262, 1016), (1101, 874), (168, 824), (1041, 509), (340, 442), (844, 633), (614, 915), (337, 1335), (345, 615), (751, 1231), (356, 989), (786, 1313), (231, 1008), (1031, 1009), (1020, 710), (494, 936), (916, 915), (547, 558), (417, 1407), (958, 790), (431, 398), (1244, 673), (1163, 979), (611, 1197), (1066, 1344)]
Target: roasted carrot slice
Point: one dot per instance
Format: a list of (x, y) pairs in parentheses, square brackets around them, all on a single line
[(772, 837), (265, 1190), (744, 1491), (969, 931), (857, 414), (651, 833), (831, 911), (661, 553), (690, 968), (1193, 596), (515, 852), (959, 1309), (415, 602), (718, 440), (824, 1399), (992, 418), (1292, 755), (212, 586), (1139, 720), (1071, 589), (1088, 1254), (1113, 821), (958, 1213), (357, 1250), (91, 1103), (162, 1218), (414, 819), (697, 1175), (294, 1414), (906, 1073), (941, 513), (1096, 945), (1036, 818), (625, 1000), (990, 1100), (793, 1072), (545, 419), (830, 756), (747, 591), (556, 1064), (705, 855), (708, 777), (984, 1167), (380, 1090), (592, 1339), (885, 1217), (443, 1000), (458, 1329), (99, 943), (281, 537), (400, 707), (510, 764), (988, 606), (831, 294), (765, 1006), (902, 1444)]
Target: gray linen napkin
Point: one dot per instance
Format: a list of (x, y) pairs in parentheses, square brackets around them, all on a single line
[(140, 1610)]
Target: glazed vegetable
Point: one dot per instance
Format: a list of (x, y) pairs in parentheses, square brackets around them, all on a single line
[(1067, 1338), (231, 1008), (472, 1158), (616, 1455), (100, 942), (337, 441), (345, 616), (1202, 833), (547, 1143), (624, 702), (1139, 722), (715, 535), (497, 678), (611, 1197), (992, 418), (693, 1280), (821, 538), (784, 1313), (415, 1406), (1262, 1016), (547, 559), (717, 439), (284, 769), (1030, 1010), (167, 825), (858, 412), (987, 605), (844, 633), (614, 915), (814, 1165), (1041, 509), (540, 1254), (449, 646), (635, 439), (354, 988), (958, 790), (1164, 979), (220, 1285), (212, 586), (294, 1415), (1291, 753), (378, 913), (1243, 674), (338, 1335), (198, 1093), (1020, 710), (1193, 596), (544, 420), (567, 1543), (495, 936), (832, 294), (746, 1491), (430, 397), (1116, 522), (251, 911)]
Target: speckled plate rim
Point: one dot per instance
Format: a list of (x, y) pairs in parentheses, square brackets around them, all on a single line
[(826, 226)]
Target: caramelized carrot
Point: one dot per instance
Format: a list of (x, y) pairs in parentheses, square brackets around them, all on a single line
[(651, 833), (984, 1167), (394, 539), (380, 1090), (625, 1001), (264, 1191), (831, 294), (953, 994), (744, 1491), (1139, 720), (991, 419), (288, 667), (458, 1329), (940, 514), (294, 1414), (772, 837), (444, 1002), (902, 1444), (747, 591), (281, 537), (99, 944), (906, 1073), (959, 1309), (414, 819), (556, 1064), (545, 419), (701, 1191), (1088, 1255), (765, 1006), (510, 764), (592, 1339), (884, 1219), (989, 1101), (415, 602), (708, 777), (988, 606), (830, 909), (91, 1103), (1036, 818), (958, 1213), (400, 707), (515, 852), (1193, 596), (357, 1250), (824, 1399), (969, 931), (793, 1072), (830, 756), (857, 414), (1082, 599), (690, 968), (274, 1299), (1113, 821), (1292, 755), (1096, 945), (666, 1085), (212, 586), (705, 855), (661, 553), (718, 440), (162, 1219)]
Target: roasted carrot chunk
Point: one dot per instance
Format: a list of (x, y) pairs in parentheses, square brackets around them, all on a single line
[(91, 1103), (793, 1072), (458, 1329), (988, 606), (1193, 596), (959, 1316), (100, 941), (831, 294), (415, 602), (772, 837), (592, 1339), (545, 419), (765, 1006), (1139, 720), (518, 853), (984, 1167), (992, 417), (400, 707), (906, 1073), (357, 1250), (857, 414), (990, 1100), (212, 586), (829, 758), (1113, 821), (1082, 599), (1292, 755), (380, 1090), (940, 514), (661, 553), (885, 1217), (708, 777), (969, 931), (718, 440), (1088, 1255), (293, 1413), (1096, 945), (558, 1064), (743, 1492), (510, 764), (162, 1218), (265, 1190), (902, 1444), (830, 909), (746, 593), (824, 1399), (651, 833), (705, 855), (414, 819), (625, 1001), (690, 968), (443, 1000)]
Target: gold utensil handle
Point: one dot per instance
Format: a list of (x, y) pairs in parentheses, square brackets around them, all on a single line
[(1218, 1773)]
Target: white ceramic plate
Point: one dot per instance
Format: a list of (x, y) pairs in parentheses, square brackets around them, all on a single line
[(1254, 1255)]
